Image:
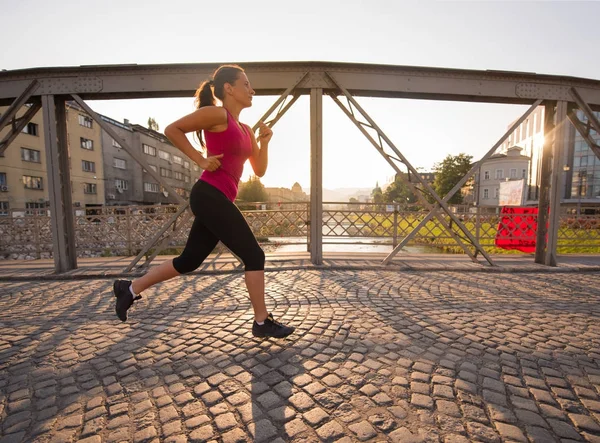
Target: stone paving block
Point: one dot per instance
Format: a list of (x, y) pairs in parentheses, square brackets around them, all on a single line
[(365, 364)]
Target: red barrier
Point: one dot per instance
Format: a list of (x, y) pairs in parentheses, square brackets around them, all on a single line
[(517, 228)]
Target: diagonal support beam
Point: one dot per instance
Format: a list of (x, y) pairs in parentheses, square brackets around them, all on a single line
[(18, 125), (406, 181), (584, 131), (167, 239), (586, 109), (156, 237), (426, 185), (585, 128), (12, 110), (279, 102)]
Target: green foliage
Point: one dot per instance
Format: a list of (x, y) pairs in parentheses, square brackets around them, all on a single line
[(448, 173), (252, 191), (152, 124), (399, 191)]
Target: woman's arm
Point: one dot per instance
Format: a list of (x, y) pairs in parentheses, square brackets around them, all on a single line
[(206, 118), (260, 155)]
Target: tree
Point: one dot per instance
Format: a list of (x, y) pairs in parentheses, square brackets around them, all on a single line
[(377, 194), (252, 191), (152, 124), (449, 172), (399, 191)]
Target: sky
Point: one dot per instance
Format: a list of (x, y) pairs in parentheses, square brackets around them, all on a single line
[(546, 37)]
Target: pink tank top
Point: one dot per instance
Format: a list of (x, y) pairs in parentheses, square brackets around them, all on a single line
[(236, 145)]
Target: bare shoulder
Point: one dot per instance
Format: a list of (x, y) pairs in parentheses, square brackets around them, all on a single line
[(216, 114), (207, 118)]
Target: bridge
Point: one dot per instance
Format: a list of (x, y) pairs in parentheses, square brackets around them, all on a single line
[(48, 89)]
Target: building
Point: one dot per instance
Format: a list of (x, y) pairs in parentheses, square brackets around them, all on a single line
[(582, 172), (101, 172), (581, 167), (279, 195), (512, 165), (126, 182), (85, 155), (23, 167)]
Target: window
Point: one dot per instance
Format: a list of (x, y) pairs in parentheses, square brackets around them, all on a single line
[(154, 168), (3, 208), (513, 173), (87, 143), (164, 155), (32, 182), (87, 166), (31, 129), (486, 175), (177, 160), (186, 164), (196, 167), (486, 194), (499, 174), (524, 173), (2, 178), (121, 184), (165, 172), (496, 192), (119, 163), (187, 178), (115, 144), (89, 188), (179, 176), (151, 187), (84, 120), (30, 155), (33, 208), (150, 150)]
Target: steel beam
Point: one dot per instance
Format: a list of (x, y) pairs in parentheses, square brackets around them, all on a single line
[(18, 125), (316, 176), (545, 183), (584, 131), (156, 237), (403, 159), (59, 184), (560, 140), (576, 96), (592, 122), (272, 78), (12, 110), (280, 102)]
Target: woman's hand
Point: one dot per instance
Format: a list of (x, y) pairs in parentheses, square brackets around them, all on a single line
[(264, 133), (211, 163)]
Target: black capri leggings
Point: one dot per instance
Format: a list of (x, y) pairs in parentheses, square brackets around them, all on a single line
[(217, 218)]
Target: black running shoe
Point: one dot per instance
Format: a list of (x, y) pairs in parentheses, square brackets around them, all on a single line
[(124, 298), (271, 328)]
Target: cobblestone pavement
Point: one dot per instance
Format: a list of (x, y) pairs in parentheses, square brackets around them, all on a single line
[(378, 356)]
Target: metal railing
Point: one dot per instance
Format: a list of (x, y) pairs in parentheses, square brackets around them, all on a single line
[(124, 230)]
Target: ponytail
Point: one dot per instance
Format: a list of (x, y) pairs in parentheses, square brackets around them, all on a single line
[(209, 90), (204, 97)]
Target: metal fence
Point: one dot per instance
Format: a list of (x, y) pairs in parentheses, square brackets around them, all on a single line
[(114, 230)]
